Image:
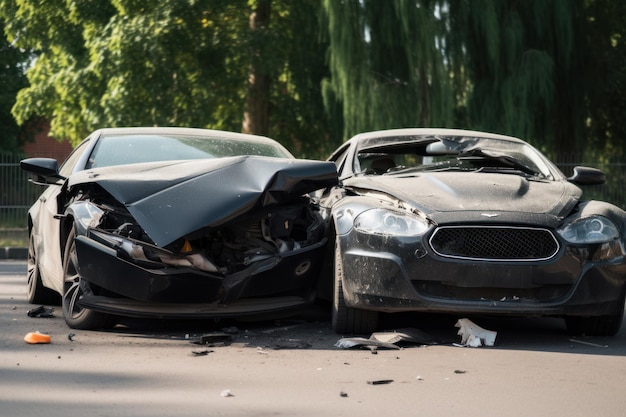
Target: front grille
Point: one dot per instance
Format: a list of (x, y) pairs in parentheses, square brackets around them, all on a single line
[(498, 243)]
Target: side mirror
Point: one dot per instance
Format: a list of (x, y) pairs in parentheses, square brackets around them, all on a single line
[(46, 170), (587, 176)]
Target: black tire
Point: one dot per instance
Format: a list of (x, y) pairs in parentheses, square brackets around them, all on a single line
[(348, 320), (595, 326), (74, 288), (37, 293)]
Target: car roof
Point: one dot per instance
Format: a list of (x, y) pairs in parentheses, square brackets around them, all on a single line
[(431, 131)]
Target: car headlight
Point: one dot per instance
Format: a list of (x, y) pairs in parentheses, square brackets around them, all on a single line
[(387, 222), (594, 229)]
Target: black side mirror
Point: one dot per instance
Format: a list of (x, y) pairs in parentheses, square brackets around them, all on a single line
[(46, 169), (587, 176)]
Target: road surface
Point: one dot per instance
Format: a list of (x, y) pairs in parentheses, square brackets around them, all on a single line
[(150, 368)]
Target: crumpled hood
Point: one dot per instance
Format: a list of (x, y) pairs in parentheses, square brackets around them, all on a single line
[(474, 191), (175, 198)]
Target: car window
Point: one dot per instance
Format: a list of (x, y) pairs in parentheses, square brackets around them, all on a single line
[(70, 163), (130, 149), (339, 158), (460, 153)]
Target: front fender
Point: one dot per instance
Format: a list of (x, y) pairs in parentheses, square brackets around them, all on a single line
[(83, 215)]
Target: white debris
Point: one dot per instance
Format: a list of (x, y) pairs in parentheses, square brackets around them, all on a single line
[(474, 335)]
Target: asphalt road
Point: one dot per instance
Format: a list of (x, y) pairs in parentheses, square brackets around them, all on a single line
[(292, 367)]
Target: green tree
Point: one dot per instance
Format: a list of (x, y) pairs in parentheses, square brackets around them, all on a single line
[(170, 62), (605, 87), (12, 79), (523, 59), (390, 64)]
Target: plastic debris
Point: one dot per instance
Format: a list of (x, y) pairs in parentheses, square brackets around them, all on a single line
[(214, 339), (387, 340), (200, 352), (343, 394), (226, 393), (70, 336), (350, 342), (41, 311), (34, 338), (473, 335), (380, 381), (582, 342), (408, 335)]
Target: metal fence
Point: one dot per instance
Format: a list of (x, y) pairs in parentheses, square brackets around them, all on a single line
[(17, 194)]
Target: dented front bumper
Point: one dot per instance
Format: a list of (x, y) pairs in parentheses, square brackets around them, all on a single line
[(132, 287)]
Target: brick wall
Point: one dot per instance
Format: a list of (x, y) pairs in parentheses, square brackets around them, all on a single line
[(46, 147)]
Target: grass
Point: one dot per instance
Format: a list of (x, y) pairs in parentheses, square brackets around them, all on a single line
[(13, 238)]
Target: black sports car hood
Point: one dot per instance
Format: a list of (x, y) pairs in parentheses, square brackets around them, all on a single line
[(173, 199), (444, 192)]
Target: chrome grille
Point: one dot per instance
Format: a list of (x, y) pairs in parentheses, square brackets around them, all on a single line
[(498, 243)]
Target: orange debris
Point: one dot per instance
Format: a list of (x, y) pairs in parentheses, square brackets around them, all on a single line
[(36, 337)]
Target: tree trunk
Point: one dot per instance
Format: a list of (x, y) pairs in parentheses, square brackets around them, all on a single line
[(256, 116)]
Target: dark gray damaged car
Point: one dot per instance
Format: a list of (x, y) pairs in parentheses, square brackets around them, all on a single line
[(463, 222), (175, 222)]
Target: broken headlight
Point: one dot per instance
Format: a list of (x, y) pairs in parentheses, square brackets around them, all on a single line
[(388, 222), (594, 229)]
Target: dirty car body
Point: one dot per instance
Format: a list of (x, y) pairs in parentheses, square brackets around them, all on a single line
[(175, 222), (453, 221)]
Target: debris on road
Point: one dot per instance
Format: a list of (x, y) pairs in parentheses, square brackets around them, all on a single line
[(226, 393), (582, 342), (41, 311), (34, 338), (70, 336), (350, 342), (473, 335), (200, 352), (380, 381), (213, 339), (387, 340)]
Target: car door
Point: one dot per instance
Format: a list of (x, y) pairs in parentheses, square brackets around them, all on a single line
[(46, 228)]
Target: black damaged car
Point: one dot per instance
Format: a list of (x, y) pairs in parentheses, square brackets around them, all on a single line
[(453, 221), (175, 222)]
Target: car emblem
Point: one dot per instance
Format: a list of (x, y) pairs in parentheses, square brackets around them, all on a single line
[(489, 214)]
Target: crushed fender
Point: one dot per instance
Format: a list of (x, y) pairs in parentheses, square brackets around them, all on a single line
[(34, 338), (473, 335)]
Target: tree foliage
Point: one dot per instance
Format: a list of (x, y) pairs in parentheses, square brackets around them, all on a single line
[(551, 71), (12, 80), (313, 72), (389, 63), (166, 62)]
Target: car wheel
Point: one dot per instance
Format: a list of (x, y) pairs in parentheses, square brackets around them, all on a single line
[(74, 288), (607, 325), (37, 292), (347, 319)]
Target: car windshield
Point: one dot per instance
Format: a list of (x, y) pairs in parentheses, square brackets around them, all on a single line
[(115, 150), (407, 155)]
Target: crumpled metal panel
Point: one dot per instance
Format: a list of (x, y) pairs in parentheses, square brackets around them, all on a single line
[(173, 199)]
